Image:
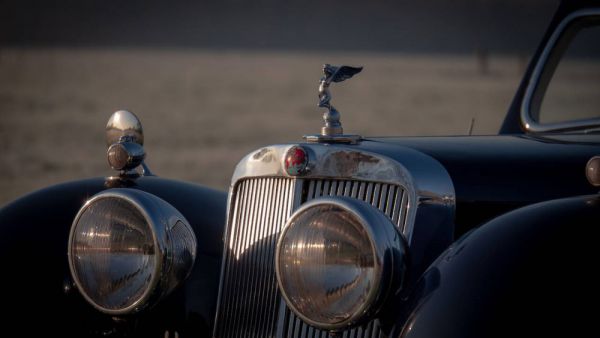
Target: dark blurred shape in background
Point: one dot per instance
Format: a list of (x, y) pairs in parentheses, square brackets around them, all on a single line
[(430, 26)]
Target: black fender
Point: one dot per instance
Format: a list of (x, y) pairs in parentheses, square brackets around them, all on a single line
[(36, 283), (528, 272)]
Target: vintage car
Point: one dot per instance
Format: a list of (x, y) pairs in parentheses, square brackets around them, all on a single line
[(335, 236)]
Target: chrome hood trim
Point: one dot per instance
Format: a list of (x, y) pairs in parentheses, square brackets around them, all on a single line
[(325, 162), (425, 180)]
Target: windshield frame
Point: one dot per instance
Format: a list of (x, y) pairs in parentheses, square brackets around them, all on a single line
[(542, 74)]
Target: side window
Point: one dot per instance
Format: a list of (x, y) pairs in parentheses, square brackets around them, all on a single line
[(573, 90), (564, 90)]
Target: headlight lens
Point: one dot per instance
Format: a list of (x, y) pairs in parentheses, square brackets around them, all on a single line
[(336, 259), (122, 243), (114, 249)]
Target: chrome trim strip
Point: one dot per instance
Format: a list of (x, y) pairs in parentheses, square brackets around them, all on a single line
[(527, 119)]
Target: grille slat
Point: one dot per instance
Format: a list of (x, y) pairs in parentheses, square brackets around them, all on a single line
[(297, 327), (291, 323), (311, 191), (269, 252), (326, 188), (237, 249), (239, 214), (249, 298), (318, 189), (376, 196), (258, 255), (285, 211), (369, 329), (362, 191), (402, 213), (242, 301), (266, 253), (383, 200), (355, 189), (333, 189), (390, 200), (397, 206)]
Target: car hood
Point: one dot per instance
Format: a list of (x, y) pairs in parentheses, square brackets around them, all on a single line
[(504, 172)]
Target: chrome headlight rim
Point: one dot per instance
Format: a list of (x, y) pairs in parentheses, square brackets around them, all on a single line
[(387, 246), (154, 214)]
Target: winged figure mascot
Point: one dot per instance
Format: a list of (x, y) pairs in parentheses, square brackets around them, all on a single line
[(332, 116)]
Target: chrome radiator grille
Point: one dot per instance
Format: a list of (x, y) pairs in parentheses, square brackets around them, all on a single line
[(391, 199), (249, 293), (249, 298), (294, 327)]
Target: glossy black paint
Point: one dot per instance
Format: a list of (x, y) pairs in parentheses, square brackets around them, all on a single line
[(529, 272), (496, 174), (36, 283)]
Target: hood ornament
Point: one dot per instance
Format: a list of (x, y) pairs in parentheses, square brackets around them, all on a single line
[(333, 131)]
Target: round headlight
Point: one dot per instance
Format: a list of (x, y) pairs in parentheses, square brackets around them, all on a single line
[(128, 249), (337, 258)]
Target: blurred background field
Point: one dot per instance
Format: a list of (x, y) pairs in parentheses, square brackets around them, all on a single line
[(210, 85)]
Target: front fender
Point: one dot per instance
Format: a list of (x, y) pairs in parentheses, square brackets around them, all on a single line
[(36, 281), (527, 272)]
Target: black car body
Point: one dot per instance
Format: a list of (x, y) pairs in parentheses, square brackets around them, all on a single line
[(494, 235)]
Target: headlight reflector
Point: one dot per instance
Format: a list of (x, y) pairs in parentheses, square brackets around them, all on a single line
[(336, 260), (122, 244)]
